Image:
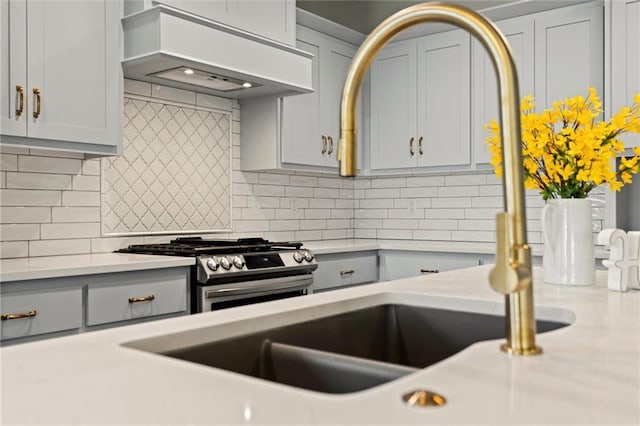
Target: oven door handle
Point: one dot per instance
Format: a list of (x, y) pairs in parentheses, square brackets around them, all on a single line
[(260, 286)]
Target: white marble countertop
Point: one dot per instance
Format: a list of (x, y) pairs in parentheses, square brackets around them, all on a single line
[(31, 268), (589, 372)]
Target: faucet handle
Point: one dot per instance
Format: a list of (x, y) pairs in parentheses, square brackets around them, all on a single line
[(509, 274)]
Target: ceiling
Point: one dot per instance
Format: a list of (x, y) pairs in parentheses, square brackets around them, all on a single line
[(364, 15)]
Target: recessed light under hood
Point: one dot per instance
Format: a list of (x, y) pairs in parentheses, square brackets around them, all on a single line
[(161, 43), (205, 79)]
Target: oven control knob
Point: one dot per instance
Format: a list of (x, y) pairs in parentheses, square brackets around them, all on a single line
[(298, 256), (224, 262), (212, 263), (238, 262), (308, 256)]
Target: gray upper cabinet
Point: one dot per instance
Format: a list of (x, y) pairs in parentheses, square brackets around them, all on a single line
[(61, 79), (420, 103), (625, 58)]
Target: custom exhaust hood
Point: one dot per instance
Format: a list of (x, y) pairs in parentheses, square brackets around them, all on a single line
[(167, 46)]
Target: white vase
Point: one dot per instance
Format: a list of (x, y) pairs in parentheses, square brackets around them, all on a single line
[(568, 257)]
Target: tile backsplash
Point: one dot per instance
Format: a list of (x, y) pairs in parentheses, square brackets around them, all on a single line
[(50, 202)]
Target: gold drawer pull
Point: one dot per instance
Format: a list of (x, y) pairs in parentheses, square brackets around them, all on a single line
[(330, 139), (29, 314), (429, 271), (347, 272), (148, 298), (420, 150), (37, 92), (324, 145), (411, 150), (20, 108)]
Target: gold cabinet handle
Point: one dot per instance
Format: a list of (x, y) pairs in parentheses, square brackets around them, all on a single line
[(411, 151), (36, 112), (347, 272), (429, 271), (330, 145), (148, 298), (324, 145), (31, 313), (20, 108), (420, 150)]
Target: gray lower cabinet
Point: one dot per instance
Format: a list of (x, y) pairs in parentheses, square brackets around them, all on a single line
[(395, 264), (345, 269), (43, 308)]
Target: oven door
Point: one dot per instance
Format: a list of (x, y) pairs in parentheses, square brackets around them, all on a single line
[(214, 297)]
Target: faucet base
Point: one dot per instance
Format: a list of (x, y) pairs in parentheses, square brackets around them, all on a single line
[(536, 350)]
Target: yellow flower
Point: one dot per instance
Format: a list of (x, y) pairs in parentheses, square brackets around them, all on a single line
[(566, 152)]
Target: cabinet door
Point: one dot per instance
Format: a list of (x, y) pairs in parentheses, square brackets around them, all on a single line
[(301, 135), (339, 57), (397, 265), (274, 19), (74, 63), (569, 55), (625, 58), (13, 67), (393, 107), (519, 34), (444, 99)]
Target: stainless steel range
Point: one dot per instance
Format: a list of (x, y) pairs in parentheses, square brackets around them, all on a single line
[(239, 272)]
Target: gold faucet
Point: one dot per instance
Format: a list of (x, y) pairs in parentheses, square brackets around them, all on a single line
[(512, 274)]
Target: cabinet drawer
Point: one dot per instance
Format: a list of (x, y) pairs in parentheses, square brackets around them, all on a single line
[(342, 269), (410, 264), (148, 294), (52, 310)]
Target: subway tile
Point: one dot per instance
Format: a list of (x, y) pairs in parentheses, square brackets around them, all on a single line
[(322, 203), (376, 204), (29, 197), (368, 223), (463, 180), (418, 192), (346, 193), (371, 213), (8, 162), (274, 179), (317, 213), (14, 150), (268, 190), (298, 191), (266, 202), (54, 153), (241, 189), (91, 167), (56, 231), (477, 225), (438, 224), (3, 179), (235, 139), (235, 127), (334, 234), (482, 236), (280, 235), (490, 191), (24, 180), (492, 179), (458, 191), (136, 87), (358, 194), (482, 213), (330, 182), (406, 213), (257, 214), (341, 213), (289, 214), (27, 163), (487, 202), (399, 223), (423, 203), (13, 249), (106, 245), (216, 102), (240, 201), (284, 225), (396, 182), (25, 214), (235, 151), (80, 199), (425, 181), (173, 94), (362, 183), (86, 183), (245, 177), (348, 183), (304, 181), (251, 225), (19, 232), (382, 193), (394, 234), (345, 203), (365, 233), (445, 203), (59, 247), (294, 203), (435, 235), (444, 213), (311, 224), (308, 235), (338, 223), (235, 112), (324, 193)]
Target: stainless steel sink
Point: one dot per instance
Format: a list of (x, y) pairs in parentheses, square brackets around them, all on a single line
[(352, 351)]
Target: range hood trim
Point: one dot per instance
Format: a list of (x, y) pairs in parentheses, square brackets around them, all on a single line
[(163, 37)]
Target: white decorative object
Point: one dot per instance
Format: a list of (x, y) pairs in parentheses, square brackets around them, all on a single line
[(174, 175), (568, 256), (624, 259)]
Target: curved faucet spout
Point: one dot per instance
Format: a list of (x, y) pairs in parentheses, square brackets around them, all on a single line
[(512, 273)]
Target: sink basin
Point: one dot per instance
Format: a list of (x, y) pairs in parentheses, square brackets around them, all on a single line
[(351, 351)]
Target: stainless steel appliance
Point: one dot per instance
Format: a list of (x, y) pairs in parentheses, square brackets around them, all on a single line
[(230, 273)]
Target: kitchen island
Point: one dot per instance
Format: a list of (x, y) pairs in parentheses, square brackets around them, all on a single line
[(589, 372)]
